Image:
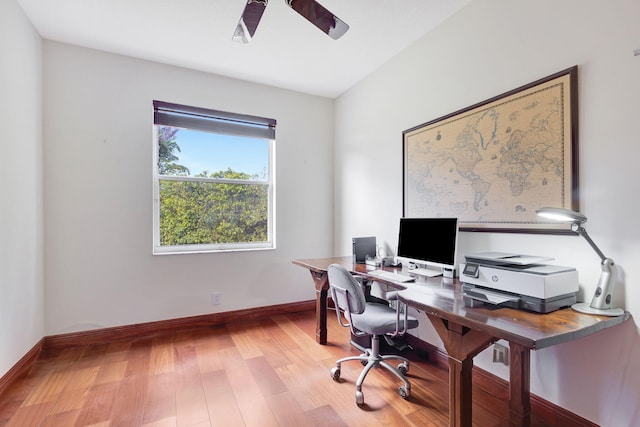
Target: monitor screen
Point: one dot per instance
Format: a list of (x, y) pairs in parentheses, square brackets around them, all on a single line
[(428, 241)]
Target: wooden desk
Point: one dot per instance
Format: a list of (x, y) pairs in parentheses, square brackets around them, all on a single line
[(466, 331)]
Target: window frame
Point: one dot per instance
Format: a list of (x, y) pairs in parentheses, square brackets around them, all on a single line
[(213, 121)]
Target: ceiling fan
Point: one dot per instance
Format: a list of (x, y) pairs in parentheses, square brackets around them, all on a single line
[(311, 10)]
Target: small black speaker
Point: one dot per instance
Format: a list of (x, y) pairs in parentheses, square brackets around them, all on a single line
[(363, 247)]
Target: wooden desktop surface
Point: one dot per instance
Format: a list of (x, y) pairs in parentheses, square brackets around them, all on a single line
[(467, 331)]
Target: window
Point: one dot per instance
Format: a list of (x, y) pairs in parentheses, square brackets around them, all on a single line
[(213, 180)]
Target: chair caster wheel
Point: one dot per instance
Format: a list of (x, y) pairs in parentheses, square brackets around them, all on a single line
[(404, 392), (335, 373), (403, 368), (359, 398)]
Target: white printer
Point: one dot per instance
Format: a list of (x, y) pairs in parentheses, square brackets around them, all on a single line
[(499, 279)]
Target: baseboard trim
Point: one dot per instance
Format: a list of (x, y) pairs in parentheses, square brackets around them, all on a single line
[(21, 368), (149, 329), (549, 413)]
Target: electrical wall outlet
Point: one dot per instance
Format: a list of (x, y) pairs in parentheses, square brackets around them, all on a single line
[(501, 354), (216, 298)]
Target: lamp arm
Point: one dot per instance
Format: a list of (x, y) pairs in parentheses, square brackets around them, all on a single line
[(584, 234)]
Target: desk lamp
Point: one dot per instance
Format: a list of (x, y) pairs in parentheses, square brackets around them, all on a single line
[(602, 299)]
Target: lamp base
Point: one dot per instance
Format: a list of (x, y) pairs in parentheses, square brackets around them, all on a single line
[(585, 307)]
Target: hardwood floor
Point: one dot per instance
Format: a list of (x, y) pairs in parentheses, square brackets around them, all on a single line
[(265, 372)]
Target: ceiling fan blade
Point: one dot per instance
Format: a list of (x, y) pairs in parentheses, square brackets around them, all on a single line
[(249, 20), (319, 16)]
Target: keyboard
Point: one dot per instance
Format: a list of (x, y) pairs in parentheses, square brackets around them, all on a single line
[(392, 277)]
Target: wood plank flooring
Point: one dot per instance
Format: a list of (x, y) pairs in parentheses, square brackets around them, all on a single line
[(266, 372)]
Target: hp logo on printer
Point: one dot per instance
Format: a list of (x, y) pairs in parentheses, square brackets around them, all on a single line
[(494, 278)]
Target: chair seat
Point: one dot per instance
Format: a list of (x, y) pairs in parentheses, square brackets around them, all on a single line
[(380, 319)]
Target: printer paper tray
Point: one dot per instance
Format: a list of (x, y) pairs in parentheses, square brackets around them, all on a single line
[(474, 296), (496, 299)]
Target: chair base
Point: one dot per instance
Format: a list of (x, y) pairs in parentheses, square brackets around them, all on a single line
[(374, 359)]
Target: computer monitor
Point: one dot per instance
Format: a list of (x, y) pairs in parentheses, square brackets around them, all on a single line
[(428, 242)]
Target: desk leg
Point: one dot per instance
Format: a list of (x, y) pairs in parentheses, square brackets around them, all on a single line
[(462, 344), (460, 395), (321, 282), (519, 379)]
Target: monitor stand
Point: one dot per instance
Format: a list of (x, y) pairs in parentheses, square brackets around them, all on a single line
[(426, 272)]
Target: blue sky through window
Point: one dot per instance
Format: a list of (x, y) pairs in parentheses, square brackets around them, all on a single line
[(212, 152)]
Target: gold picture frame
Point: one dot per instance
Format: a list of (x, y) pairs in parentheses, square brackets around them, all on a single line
[(494, 163)]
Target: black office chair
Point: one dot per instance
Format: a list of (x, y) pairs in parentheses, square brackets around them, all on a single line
[(367, 318)]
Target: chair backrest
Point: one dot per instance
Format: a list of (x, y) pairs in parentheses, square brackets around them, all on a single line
[(346, 290)]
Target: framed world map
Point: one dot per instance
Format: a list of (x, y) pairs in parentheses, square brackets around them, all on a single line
[(493, 164)]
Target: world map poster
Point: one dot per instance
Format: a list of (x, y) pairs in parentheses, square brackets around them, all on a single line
[(493, 164)]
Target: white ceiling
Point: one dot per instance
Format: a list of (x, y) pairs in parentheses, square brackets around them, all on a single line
[(287, 51)]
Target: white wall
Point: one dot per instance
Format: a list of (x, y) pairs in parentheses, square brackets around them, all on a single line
[(488, 48), (98, 194), (21, 268)]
